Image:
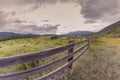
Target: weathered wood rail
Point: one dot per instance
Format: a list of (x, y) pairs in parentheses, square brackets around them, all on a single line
[(19, 59)]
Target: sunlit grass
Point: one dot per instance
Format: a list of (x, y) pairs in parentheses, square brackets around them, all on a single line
[(29, 45), (109, 40), (22, 46), (98, 63)]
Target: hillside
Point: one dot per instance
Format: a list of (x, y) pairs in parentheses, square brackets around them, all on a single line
[(79, 33), (112, 30)]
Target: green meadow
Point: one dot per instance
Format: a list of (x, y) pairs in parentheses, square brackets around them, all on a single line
[(100, 62), (18, 46)]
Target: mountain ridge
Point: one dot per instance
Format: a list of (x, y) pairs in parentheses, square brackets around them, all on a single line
[(112, 30), (80, 33), (114, 25)]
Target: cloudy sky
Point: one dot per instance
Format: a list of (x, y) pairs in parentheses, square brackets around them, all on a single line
[(57, 16)]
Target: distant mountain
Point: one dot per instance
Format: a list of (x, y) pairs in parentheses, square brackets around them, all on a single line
[(79, 33), (11, 35), (111, 30), (7, 33)]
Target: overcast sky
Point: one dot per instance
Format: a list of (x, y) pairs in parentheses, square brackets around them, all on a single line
[(57, 16)]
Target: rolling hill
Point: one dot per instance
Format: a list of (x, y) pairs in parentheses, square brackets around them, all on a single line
[(79, 33), (112, 30)]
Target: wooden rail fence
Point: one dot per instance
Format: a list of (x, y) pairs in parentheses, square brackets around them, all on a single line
[(19, 59)]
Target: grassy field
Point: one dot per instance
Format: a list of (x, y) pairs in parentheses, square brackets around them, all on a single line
[(101, 62), (29, 45)]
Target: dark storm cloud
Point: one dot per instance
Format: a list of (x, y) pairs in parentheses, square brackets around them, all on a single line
[(96, 9)]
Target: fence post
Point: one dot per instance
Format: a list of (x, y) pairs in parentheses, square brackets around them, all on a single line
[(70, 51), (89, 42)]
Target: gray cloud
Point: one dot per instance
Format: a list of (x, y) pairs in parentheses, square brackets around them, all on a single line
[(25, 2), (45, 20), (90, 21), (43, 29), (19, 21), (36, 3), (90, 9), (96, 9)]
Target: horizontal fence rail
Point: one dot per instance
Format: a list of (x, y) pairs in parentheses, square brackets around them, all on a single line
[(35, 56), (40, 68), (43, 54), (61, 68)]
